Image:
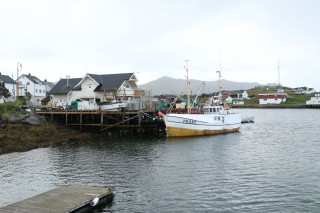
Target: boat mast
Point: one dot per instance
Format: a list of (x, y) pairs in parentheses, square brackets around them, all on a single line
[(219, 78), (219, 86), (188, 88)]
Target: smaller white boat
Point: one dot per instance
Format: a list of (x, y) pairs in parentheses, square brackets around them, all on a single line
[(247, 119), (112, 106)]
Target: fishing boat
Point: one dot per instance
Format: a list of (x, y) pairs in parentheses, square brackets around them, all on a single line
[(112, 106), (216, 118)]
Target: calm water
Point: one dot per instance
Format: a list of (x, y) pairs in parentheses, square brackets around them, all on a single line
[(272, 165)]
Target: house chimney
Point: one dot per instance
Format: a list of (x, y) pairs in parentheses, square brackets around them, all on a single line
[(45, 80), (68, 76), (29, 73)]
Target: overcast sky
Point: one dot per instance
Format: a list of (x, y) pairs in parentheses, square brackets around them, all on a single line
[(53, 39)]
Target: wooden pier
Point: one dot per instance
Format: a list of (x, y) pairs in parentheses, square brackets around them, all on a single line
[(119, 122), (70, 198)]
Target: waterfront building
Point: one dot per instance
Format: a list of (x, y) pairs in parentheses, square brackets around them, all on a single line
[(32, 88), (314, 100), (272, 98), (93, 88)]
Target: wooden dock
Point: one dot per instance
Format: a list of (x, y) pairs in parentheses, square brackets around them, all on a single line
[(111, 122), (70, 198)]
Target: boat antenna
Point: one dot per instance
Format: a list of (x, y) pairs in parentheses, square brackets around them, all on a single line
[(188, 87)]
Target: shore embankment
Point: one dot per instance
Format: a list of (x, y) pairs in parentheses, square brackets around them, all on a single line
[(23, 137), (24, 133)]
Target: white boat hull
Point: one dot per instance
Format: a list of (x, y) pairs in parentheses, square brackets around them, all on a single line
[(112, 106), (182, 125)]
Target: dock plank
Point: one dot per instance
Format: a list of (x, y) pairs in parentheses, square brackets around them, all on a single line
[(62, 199)]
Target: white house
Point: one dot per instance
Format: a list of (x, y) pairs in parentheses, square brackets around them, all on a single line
[(272, 98), (242, 95), (303, 90), (32, 85), (10, 84), (315, 100), (228, 99), (310, 91), (94, 88)]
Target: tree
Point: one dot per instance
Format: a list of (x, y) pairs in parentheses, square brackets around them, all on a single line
[(28, 96), (4, 91)]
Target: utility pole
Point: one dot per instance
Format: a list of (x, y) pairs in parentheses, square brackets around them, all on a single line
[(279, 83), (19, 68)]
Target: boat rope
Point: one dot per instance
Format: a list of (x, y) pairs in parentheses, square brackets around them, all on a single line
[(120, 122)]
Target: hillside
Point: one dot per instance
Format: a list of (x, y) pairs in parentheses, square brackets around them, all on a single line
[(167, 85)]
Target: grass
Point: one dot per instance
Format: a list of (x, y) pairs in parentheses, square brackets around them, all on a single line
[(297, 99), (5, 108)]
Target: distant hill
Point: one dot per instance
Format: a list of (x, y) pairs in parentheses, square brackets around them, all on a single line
[(167, 85)]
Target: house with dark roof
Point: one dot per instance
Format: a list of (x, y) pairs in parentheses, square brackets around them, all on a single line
[(32, 85), (10, 84), (95, 88), (60, 93)]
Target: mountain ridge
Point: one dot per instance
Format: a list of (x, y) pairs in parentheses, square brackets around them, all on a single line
[(168, 85)]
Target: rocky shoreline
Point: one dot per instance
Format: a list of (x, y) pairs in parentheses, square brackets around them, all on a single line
[(31, 133)]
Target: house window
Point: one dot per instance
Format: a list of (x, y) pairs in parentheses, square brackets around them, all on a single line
[(36, 90), (40, 90)]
